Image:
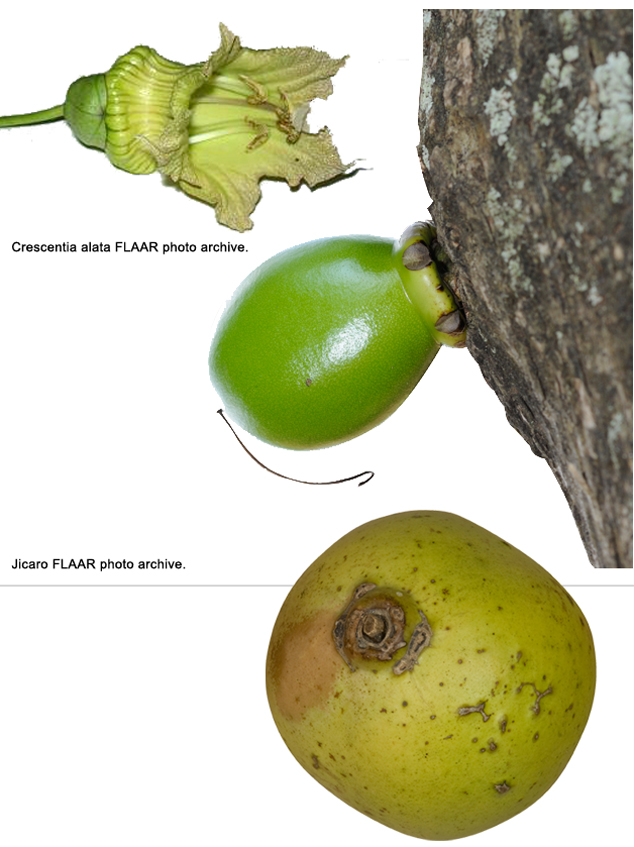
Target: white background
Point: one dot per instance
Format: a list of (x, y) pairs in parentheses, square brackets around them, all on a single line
[(133, 708)]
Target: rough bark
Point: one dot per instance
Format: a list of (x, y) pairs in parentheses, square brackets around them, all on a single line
[(526, 149)]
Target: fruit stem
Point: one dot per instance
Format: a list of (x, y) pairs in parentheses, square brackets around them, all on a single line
[(374, 627), (55, 113)]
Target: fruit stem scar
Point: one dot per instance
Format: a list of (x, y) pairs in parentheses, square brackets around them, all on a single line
[(374, 627), (469, 710), (374, 630)]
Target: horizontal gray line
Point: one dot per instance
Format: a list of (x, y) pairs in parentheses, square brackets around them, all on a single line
[(134, 585), (223, 585)]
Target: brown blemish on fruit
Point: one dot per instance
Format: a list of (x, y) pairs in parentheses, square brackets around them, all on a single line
[(421, 637), (304, 665), (502, 788), (538, 694), (468, 710)]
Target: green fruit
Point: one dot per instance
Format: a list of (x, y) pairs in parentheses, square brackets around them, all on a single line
[(430, 675), (321, 342)]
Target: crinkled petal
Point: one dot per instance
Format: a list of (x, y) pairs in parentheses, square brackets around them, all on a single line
[(228, 177)]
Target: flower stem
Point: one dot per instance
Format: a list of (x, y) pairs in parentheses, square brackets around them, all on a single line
[(53, 114)]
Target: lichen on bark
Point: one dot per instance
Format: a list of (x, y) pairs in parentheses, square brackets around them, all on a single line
[(526, 149)]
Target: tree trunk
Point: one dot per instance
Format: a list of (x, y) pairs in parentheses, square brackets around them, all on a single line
[(526, 149)]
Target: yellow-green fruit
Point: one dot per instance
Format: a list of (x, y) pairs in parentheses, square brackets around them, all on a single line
[(431, 675)]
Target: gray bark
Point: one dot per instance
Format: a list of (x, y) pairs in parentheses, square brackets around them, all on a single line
[(526, 149)]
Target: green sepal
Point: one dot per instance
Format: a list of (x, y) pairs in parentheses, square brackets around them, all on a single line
[(424, 287)]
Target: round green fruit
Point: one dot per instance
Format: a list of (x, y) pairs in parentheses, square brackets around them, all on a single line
[(323, 341), (430, 675)]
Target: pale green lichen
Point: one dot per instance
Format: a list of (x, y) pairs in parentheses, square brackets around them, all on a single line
[(615, 427), (511, 152), (487, 22), (543, 250), (610, 124), (615, 95), (500, 109), (575, 237), (565, 77), (617, 189), (553, 69), (426, 97), (558, 75), (558, 165), (510, 221), (568, 22), (584, 126), (424, 154), (540, 117), (593, 295), (578, 282)]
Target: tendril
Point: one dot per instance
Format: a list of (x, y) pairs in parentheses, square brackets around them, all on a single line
[(367, 474)]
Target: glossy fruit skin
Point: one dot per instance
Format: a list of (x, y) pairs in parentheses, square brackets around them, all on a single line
[(319, 344), (486, 721)]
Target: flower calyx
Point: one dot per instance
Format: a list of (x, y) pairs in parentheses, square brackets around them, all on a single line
[(417, 256)]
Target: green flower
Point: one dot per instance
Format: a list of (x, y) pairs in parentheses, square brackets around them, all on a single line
[(216, 128)]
